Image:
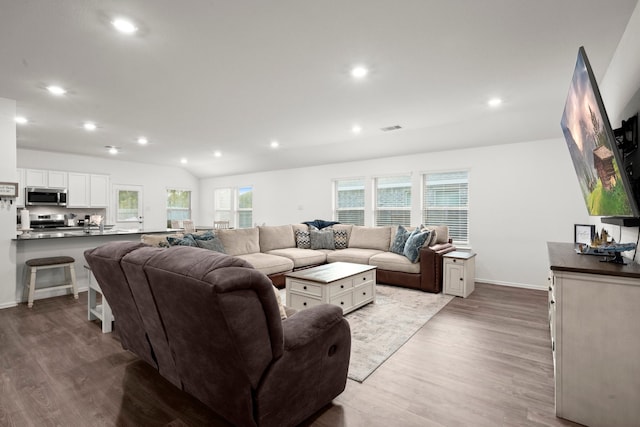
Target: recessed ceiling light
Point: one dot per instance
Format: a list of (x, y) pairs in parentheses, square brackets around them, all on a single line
[(359, 72), (494, 102), (275, 144), (21, 120), (112, 149), (356, 129), (90, 126), (217, 153), (56, 90), (183, 161), (142, 140), (124, 26)]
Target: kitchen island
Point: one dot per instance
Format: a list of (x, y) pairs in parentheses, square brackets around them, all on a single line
[(70, 241)]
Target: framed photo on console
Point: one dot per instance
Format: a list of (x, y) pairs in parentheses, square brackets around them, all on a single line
[(584, 233)]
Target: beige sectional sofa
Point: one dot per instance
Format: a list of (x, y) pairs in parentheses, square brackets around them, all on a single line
[(273, 250)]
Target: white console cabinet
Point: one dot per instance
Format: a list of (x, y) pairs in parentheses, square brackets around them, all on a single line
[(595, 331), (459, 273)]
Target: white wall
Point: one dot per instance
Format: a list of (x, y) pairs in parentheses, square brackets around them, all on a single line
[(7, 212), (521, 196), (153, 178)]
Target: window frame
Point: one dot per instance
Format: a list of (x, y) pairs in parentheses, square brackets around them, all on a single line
[(169, 209), (406, 209), (335, 198), (461, 237), (235, 211)]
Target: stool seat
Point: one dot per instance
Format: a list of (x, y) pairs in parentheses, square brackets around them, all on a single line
[(54, 260), (36, 264)]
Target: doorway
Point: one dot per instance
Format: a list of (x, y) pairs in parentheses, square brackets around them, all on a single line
[(129, 209)]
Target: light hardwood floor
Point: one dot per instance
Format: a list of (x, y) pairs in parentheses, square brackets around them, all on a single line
[(481, 361)]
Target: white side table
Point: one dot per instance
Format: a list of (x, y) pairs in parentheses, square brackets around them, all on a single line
[(98, 311), (459, 273)]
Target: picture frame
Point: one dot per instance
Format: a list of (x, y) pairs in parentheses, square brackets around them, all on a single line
[(584, 233), (8, 189)]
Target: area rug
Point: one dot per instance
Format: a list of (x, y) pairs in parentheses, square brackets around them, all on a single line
[(379, 329)]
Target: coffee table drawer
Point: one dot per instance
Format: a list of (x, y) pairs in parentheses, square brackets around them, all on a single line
[(363, 278), (300, 302), (345, 301), (340, 286), (363, 293), (306, 287)]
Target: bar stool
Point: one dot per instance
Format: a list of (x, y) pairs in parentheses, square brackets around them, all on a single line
[(37, 264)]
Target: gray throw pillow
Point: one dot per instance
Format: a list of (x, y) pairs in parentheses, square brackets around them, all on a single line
[(322, 239), (187, 240), (212, 244), (397, 246), (414, 243)]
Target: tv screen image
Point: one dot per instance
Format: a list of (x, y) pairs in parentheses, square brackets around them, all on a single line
[(592, 146)]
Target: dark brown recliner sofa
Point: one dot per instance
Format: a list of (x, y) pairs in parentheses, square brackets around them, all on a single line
[(210, 324)]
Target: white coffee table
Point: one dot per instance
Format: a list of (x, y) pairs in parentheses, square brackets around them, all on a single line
[(344, 284)]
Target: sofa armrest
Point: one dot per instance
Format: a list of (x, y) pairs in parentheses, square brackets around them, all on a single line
[(431, 266), (305, 325), (312, 370)]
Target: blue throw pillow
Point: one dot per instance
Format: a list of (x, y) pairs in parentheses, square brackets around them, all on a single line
[(414, 243), (207, 235), (214, 244), (397, 246)]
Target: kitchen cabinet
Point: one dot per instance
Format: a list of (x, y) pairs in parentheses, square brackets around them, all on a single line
[(87, 190), (45, 178)]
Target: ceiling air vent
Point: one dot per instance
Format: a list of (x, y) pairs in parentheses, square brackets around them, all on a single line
[(390, 128)]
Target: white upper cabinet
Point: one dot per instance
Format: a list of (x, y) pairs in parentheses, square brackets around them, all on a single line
[(45, 178), (78, 190), (88, 190), (99, 191)]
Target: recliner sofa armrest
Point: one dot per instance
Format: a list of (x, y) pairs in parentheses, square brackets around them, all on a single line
[(305, 325)]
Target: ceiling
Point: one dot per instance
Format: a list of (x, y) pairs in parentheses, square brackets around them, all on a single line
[(231, 76)]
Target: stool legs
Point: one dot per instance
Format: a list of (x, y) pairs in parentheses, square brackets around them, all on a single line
[(72, 280), (32, 286)]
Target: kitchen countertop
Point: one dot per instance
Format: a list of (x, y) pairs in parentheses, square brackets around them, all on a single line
[(75, 232)]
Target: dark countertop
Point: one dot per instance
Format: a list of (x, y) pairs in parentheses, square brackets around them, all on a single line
[(77, 232), (563, 257)]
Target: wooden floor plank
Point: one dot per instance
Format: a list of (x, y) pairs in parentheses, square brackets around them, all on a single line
[(481, 361)]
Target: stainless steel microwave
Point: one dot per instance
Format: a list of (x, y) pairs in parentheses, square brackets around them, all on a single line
[(45, 196)]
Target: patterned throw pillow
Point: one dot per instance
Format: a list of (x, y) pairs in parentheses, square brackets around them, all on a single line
[(303, 240), (414, 243), (397, 247), (187, 240), (341, 239), (322, 239), (207, 235)]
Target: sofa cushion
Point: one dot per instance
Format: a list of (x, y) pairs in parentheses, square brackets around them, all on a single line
[(301, 257), (355, 255), (416, 240), (267, 263), (441, 234), (394, 262), (303, 239), (399, 240), (370, 238), (344, 227), (322, 239), (283, 311), (276, 237), (239, 241)]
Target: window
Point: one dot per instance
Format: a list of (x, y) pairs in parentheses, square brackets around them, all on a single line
[(178, 205), (349, 201), (393, 200), (234, 205), (446, 201), (245, 207)]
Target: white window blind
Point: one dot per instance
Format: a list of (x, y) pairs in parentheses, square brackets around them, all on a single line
[(222, 203), (349, 202), (446, 201), (245, 207), (393, 200)]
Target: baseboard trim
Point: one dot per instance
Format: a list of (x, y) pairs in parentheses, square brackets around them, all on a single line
[(542, 287), (8, 305)]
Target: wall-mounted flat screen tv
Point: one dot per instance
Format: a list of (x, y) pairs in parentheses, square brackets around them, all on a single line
[(593, 148)]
